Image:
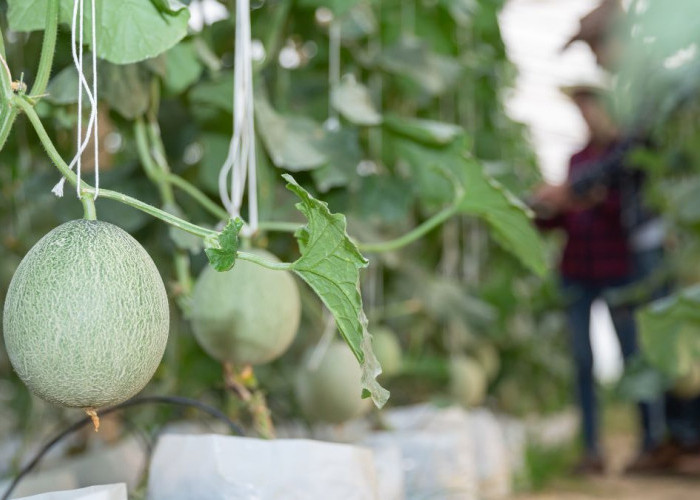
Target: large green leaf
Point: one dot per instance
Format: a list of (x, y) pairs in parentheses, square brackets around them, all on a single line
[(352, 100), (670, 332), (475, 193), (182, 67), (342, 148), (216, 93), (508, 217), (330, 263), (127, 30), (124, 87), (410, 57), (430, 132), (289, 139)]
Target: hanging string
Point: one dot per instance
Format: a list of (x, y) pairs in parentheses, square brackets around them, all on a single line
[(83, 139), (240, 164), (334, 37)]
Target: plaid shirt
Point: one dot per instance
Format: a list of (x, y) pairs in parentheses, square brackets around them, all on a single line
[(597, 247)]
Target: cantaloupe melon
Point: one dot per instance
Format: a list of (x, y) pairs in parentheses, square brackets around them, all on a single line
[(248, 315), (86, 316), (387, 350), (468, 382), (487, 356), (332, 392)]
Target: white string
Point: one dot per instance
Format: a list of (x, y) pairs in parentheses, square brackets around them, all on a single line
[(241, 162), (77, 43), (333, 122)]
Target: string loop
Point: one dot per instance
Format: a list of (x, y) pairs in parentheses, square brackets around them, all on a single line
[(240, 163), (91, 131)]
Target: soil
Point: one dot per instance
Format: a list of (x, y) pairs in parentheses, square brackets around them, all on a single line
[(620, 449)]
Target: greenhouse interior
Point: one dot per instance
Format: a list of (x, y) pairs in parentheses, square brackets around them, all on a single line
[(350, 249)]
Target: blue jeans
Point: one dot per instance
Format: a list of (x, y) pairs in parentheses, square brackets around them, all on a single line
[(581, 295)]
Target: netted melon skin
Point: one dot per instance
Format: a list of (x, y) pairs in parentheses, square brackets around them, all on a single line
[(248, 315), (86, 316)]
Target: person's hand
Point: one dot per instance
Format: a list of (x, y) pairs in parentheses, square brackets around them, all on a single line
[(557, 197)]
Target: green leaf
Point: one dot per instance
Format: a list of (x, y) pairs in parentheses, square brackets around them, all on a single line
[(411, 58), (342, 148), (476, 194), (223, 257), (127, 30), (352, 100), (338, 7), (124, 87), (289, 139), (180, 238), (330, 263), (182, 67), (215, 93), (670, 332), (430, 132), (508, 217)]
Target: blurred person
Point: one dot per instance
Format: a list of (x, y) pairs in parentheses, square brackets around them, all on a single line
[(597, 259), (680, 452)]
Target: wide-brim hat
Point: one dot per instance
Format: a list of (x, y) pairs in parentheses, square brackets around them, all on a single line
[(597, 24)]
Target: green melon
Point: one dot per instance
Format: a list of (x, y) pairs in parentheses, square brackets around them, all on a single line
[(487, 356), (86, 316), (332, 392), (248, 315), (388, 350), (468, 381)]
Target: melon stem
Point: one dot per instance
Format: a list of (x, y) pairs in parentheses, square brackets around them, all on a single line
[(92, 413), (89, 212)]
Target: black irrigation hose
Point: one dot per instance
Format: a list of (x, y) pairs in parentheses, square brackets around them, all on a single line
[(173, 400)]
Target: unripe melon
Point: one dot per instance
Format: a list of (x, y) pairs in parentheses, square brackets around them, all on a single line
[(86, 316), (387, 350), (468, 381), (487, 356), (332, 392), (248, 315)]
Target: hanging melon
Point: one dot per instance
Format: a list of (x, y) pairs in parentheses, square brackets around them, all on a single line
[(387, 350), (86, 316), (468, 382), (331, 392), (248, 315)]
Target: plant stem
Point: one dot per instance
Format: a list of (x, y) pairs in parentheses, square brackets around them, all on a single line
[(106, 193), (48, 48), (281, 227), (378, 247), (5, 76), (411, 236), (154, 171), (198, 196), (155, 212), (88, 202), (159, 171), (276, 266), (9, 114)]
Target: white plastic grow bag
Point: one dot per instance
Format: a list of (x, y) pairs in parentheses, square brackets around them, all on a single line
[(102, 492), (213, 467)]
